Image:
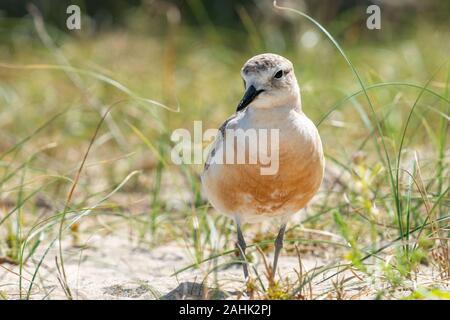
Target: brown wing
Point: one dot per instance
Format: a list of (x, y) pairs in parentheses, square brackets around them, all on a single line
[(219, 136)]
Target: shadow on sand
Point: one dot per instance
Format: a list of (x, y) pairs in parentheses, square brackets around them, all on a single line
[(193, 290)]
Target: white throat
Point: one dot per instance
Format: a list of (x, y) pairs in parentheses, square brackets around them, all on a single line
[(276, 102)]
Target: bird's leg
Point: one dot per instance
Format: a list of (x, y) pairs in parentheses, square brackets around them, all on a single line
[(241, 247), (278, 247)]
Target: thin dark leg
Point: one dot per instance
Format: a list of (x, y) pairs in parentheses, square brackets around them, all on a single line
[(242, 246), (278, 247)]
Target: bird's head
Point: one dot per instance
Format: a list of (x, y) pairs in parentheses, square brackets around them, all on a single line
[(269, 82)]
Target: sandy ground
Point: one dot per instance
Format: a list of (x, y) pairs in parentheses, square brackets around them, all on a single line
[(112, 267)]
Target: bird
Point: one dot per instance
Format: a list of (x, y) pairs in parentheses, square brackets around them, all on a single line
[(271, 101)]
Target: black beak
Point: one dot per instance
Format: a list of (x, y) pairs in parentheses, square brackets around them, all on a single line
[(250, 94)]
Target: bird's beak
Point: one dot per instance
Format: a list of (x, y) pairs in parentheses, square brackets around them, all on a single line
[(250, 94)]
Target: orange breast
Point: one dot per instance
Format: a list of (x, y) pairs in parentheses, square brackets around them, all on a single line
[(240, 189)]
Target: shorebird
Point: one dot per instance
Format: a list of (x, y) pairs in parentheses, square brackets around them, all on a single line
[(272, 102)]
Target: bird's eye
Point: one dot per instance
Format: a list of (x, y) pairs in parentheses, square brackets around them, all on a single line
[(279, 74)]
